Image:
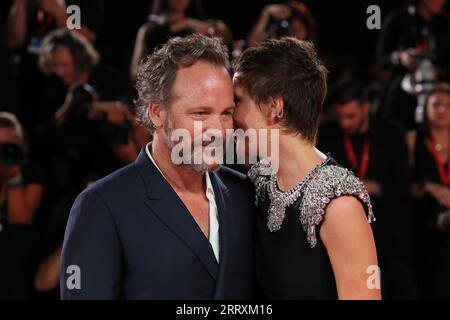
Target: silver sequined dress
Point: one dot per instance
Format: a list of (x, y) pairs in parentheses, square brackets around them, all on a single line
[(292, 262)]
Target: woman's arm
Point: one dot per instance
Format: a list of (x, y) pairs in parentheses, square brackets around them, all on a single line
[(349, 241)]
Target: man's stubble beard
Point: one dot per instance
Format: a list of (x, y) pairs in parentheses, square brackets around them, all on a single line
[(169, 128)]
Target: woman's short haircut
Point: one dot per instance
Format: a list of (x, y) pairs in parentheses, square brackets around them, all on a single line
[(288, 68)]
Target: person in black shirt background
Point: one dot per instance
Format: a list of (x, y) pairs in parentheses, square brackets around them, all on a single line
[(432, 192), (292, 19), (85, 133), (27, 24), (410, 34), (22, 184), (168, 19), (375, 150), (68, 61), (174, 18)]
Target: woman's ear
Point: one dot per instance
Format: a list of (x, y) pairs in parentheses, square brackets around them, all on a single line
[(157, 114), (276, 110)]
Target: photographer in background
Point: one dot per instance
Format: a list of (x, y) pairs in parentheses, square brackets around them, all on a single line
[(69, 61), (85, 112), (21, 192), (86, 133), (91, 140), (411, 35), (432, 191), (293, 19), (174, 18), (28, 22)]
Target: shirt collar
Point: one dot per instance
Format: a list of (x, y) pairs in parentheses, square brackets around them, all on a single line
[(209, 188)]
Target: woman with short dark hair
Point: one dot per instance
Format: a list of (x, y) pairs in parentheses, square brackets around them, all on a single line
[(313, 239)]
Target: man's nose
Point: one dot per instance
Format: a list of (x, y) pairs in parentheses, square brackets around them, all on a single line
[(213, 122), (217, 124)]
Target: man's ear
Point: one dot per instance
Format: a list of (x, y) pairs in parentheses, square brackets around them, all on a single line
[(157, 114)]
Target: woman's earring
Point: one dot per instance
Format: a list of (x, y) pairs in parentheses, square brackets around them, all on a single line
[(279, 113)]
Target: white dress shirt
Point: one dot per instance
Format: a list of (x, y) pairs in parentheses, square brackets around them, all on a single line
[(213, 211)]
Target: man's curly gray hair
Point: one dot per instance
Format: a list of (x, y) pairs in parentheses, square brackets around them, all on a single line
[(157, 74)]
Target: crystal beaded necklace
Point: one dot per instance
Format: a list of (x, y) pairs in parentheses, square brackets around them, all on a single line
[(280, 200)]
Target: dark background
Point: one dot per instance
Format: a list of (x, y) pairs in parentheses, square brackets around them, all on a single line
[(342, 24)]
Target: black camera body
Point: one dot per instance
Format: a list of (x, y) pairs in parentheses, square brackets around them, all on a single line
[(11, 154), (284, 28), (116, 134)]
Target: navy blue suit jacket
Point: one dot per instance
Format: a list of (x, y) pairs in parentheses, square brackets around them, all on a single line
[(131, 237)]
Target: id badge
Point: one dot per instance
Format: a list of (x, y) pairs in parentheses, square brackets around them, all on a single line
[(34, 47)]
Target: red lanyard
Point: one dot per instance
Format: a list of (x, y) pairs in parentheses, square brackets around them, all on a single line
[(44, 22), (443, 174), (351, 156)]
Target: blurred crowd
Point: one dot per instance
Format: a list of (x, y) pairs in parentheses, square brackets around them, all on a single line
[(67, 119)]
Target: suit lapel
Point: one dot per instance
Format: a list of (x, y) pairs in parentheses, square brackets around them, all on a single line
[(222, 199), (165, 204)]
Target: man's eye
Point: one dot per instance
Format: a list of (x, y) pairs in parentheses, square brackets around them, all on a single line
[(236, 102), (199, 113)]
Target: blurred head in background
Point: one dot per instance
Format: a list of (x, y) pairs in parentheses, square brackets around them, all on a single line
[(352, 107), (431, 7), (437, 107), (69, 56)]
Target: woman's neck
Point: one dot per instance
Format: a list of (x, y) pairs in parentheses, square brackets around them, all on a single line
[(439, 133), (297, 158)]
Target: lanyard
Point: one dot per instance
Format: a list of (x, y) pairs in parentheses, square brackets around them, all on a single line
[(443, 174), (351, 156), (44, 22), (3, 195)]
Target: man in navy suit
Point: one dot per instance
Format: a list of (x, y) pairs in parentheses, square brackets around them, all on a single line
[(159, 229)]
